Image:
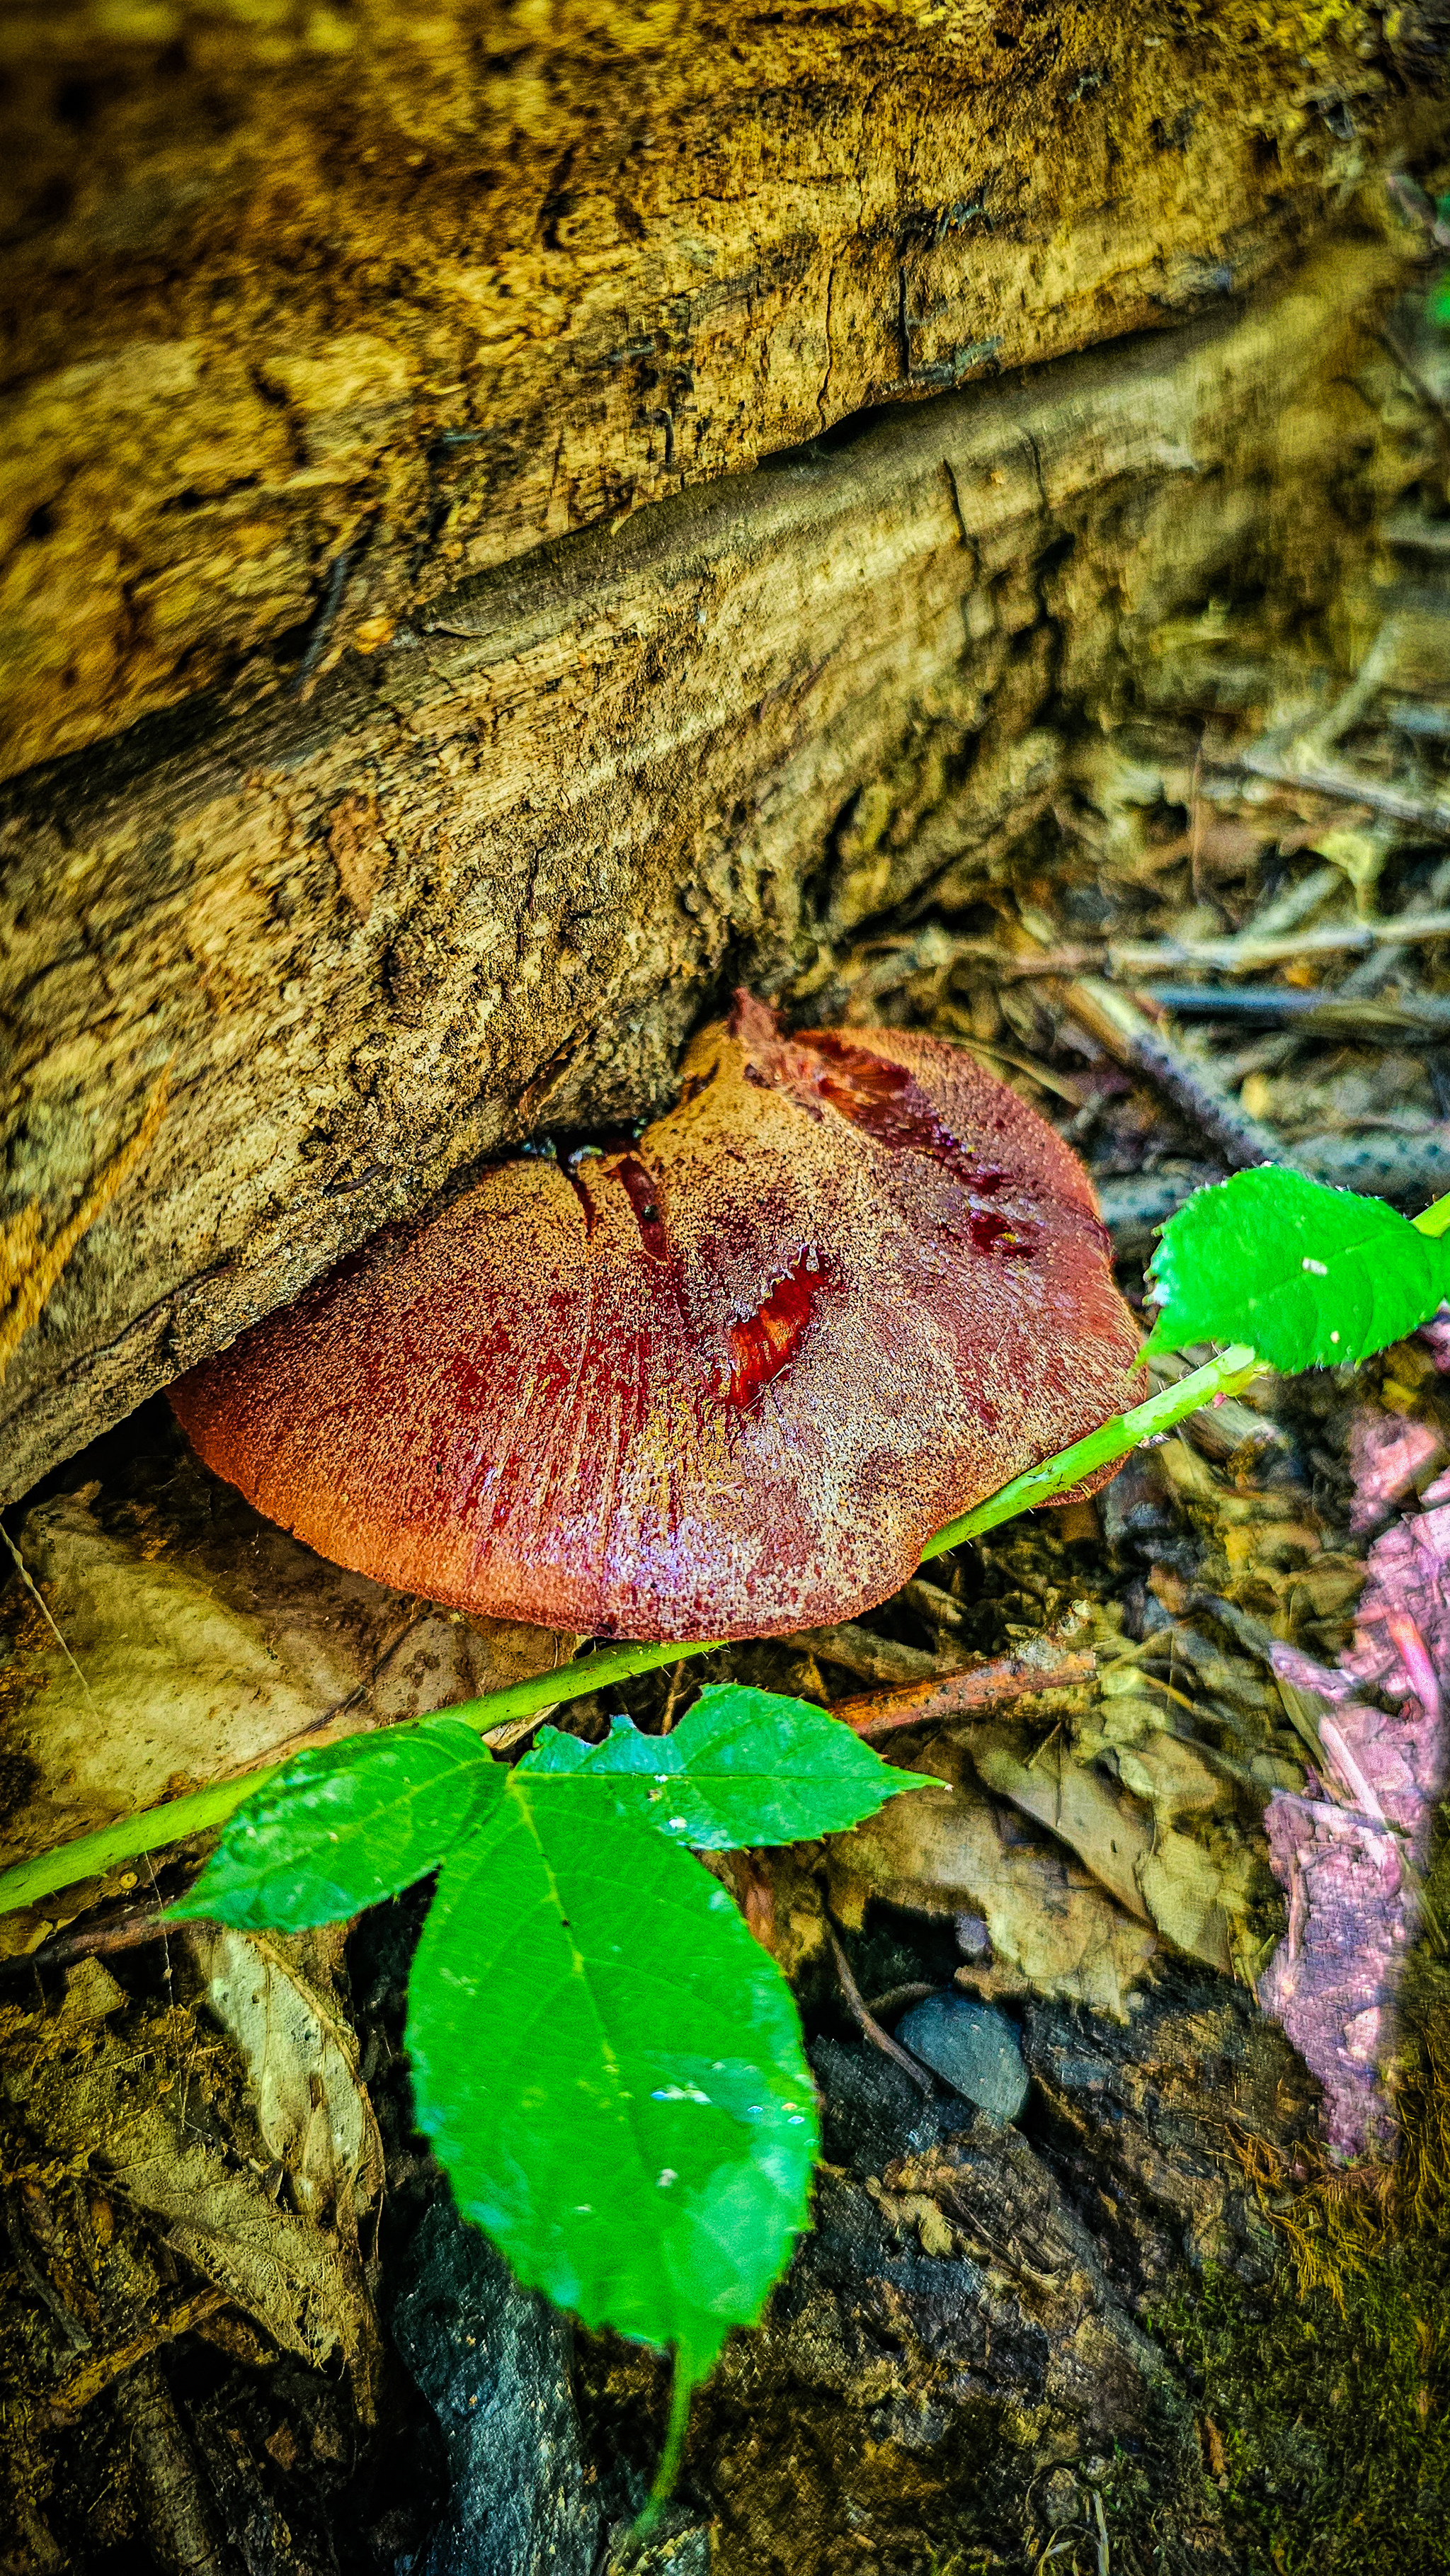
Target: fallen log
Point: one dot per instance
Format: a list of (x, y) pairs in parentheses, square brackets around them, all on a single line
[(310, 314), (481, 884)]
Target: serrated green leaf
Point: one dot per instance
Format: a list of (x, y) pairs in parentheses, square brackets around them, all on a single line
[(1309, 1275), (610, 2069), (742, 1767), (343, 1827)]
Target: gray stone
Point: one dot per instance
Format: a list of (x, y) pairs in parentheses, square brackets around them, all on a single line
[(493, 2362), (973, 2047)]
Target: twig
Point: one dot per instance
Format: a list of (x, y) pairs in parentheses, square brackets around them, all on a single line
[(1142, 958), (1400, 1167), (876, 1659), (1327, 1015), (177, 2521), (933, 1605), (1138, 960), (1048, 1662), (896, 1998), (1130, 1037), (70, 2327), (127, 1931), (1015, 965), (867, 2022), (1064, 1086), (88, 2382), (1348, 786), (677, 1683)]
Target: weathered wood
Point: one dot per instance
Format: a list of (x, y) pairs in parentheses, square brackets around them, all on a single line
[(484, 882), (310, 312)]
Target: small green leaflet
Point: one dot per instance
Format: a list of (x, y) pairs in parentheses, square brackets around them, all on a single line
[(611, 2070), (743, 1766), (609, 2067), (1310, 1276), (345, 1826)]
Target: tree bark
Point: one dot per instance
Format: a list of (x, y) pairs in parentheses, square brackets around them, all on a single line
[(481, 884), (454, 672), (312, 312)]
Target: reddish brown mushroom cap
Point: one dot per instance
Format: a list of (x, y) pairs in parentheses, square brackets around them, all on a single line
[(723, 1383)]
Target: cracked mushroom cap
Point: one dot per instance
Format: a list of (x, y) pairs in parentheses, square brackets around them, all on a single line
[(723, 1382)]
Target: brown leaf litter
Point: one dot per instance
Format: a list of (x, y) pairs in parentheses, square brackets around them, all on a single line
[(187, 1640)]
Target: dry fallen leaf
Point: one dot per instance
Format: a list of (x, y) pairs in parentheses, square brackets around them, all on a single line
[(136, 2098), (205, 1641), (302, 2061), (1053, 1930)]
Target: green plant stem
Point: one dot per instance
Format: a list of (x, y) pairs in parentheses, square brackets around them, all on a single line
[(1112, 1439), (131, 1836), (682, 2388), (1434, 1219)]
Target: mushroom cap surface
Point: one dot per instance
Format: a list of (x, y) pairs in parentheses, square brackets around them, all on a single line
[(724, 1381)]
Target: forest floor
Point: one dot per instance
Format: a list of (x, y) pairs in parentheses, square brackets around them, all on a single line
[(1185, 2309)]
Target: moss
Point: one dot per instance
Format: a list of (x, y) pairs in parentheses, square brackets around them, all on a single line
[(1324, 2400), (1324, 2421)]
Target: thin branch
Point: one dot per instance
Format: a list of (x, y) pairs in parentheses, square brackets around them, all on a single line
[(1348, 786), (1048, 1662), (1114, 1019), (867, 2023), (1144, 957), (1137, 959), (94, 1940), (94, 2376)]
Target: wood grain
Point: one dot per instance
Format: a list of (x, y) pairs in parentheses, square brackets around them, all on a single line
[(482, 884), (311, 312)]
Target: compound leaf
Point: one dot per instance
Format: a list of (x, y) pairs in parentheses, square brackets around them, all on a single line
[(743, 1766), (610, 2069), (1309, 1275), (345, 1826)]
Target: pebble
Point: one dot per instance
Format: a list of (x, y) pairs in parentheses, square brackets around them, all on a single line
[(973, 2047)]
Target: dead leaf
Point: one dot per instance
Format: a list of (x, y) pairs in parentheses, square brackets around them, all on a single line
[(207, 1641), (1053, 1930), (133, 2096), (301, 2057)]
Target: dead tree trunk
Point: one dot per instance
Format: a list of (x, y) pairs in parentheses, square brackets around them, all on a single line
[(458, 616)]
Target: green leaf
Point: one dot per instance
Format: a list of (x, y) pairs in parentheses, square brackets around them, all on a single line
[(1309, 1275), (346, 1826), (743, 1766), (610, 2069)]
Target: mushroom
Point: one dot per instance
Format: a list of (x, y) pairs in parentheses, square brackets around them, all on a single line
[(720, 1381)]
